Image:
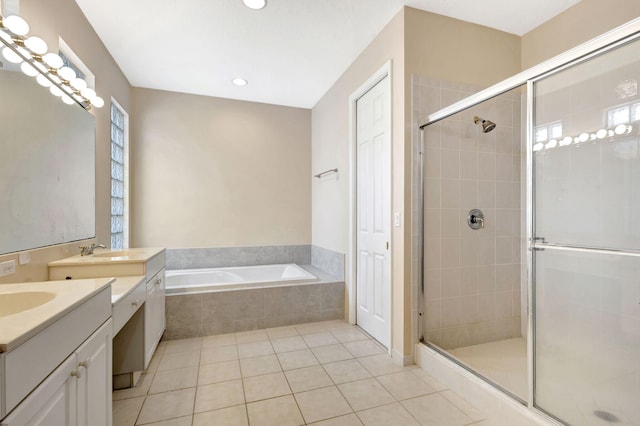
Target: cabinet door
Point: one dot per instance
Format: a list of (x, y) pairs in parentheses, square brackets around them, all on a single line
[(94, 378), (54, 402), (153, 315), (160, 295)]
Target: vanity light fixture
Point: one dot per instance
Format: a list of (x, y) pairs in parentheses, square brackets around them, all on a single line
[(255, 4), (47, 68), (239, 81)]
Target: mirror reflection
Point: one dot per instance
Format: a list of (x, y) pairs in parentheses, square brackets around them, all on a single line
[(47, 166)]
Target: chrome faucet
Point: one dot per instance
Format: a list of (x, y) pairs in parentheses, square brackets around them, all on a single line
[(87, 250)]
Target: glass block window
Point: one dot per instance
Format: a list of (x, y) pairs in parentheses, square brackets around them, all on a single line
[(67, 63), (119, 208)]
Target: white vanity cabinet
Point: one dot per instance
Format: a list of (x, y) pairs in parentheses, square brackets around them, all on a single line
[(94, 378), (78, 392), (56, 358), (154, 315), (147, 262), (54, 402)]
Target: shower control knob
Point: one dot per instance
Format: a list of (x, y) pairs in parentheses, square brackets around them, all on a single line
[(475, 219)]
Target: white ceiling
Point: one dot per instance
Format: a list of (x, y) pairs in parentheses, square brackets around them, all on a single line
[(291, 52)]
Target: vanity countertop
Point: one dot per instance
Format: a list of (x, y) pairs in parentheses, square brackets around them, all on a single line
[(59, 298), (122, 286), (102, 256)]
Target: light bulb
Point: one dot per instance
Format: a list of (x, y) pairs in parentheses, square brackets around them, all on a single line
[(11, 56), (28, 69), (43, 81), (88, 93), (53, 60), (36, 45), (239, 82), (16, 25), (601, 134), (67, 73), (68, 100), (79, 84), (538, 146), (583, 137), (255, 4), (620, 129), (55, 91), (551, 144), (97, 102), (566, 141)]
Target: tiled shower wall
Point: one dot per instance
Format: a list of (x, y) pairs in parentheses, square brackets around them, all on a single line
[(472, 278)]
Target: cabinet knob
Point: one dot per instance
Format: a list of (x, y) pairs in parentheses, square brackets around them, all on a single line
[(158, 281), (78, 373), (85, 363), (134, 303)]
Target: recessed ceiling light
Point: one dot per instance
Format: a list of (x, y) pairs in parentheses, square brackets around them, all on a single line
[(255, 4), (239, 81)]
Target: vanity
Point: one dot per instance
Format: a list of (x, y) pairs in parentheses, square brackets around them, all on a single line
[(55, 353), (138, 302)]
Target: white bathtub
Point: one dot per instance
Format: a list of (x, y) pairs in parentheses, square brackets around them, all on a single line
[(235, 278)]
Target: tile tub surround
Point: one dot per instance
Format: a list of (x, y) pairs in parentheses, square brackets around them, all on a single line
[(220, 257), (204, 314), (295, 375), (329, 261)]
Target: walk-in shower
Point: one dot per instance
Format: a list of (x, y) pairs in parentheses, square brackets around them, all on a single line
[(541, 297)]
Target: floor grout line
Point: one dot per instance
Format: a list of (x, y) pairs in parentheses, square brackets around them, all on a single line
[(242, 378)]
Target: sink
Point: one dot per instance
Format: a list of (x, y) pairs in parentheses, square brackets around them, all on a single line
[(12, 303), (117, 253)]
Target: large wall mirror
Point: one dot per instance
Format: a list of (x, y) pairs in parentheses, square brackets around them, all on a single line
[(47, 166)]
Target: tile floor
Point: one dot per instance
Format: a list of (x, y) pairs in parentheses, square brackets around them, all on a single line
[(504, 362), (327, 373)]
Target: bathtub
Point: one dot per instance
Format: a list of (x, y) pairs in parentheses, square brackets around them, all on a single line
[(235, 278)]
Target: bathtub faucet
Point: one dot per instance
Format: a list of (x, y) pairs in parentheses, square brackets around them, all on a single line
[(87, 250)]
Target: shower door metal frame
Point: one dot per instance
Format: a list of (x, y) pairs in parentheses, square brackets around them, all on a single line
[(601, 44)]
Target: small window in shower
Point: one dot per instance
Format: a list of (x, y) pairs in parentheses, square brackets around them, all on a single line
[(618, 115), (549, 131), (635, 112)]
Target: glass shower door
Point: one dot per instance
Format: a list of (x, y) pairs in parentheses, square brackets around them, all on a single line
[(586, 240)]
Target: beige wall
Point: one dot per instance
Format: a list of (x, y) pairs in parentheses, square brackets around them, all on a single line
[(445, 48), (416, 42), (210, 172), (576, 25), (330, 148), (64, 19)]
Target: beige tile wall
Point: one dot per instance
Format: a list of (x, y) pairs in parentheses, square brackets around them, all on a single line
[(472, 278)]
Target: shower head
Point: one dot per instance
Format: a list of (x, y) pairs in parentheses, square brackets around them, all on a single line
[(487, 125)]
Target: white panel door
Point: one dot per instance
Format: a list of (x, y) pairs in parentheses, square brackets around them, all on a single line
[(373, 138)]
